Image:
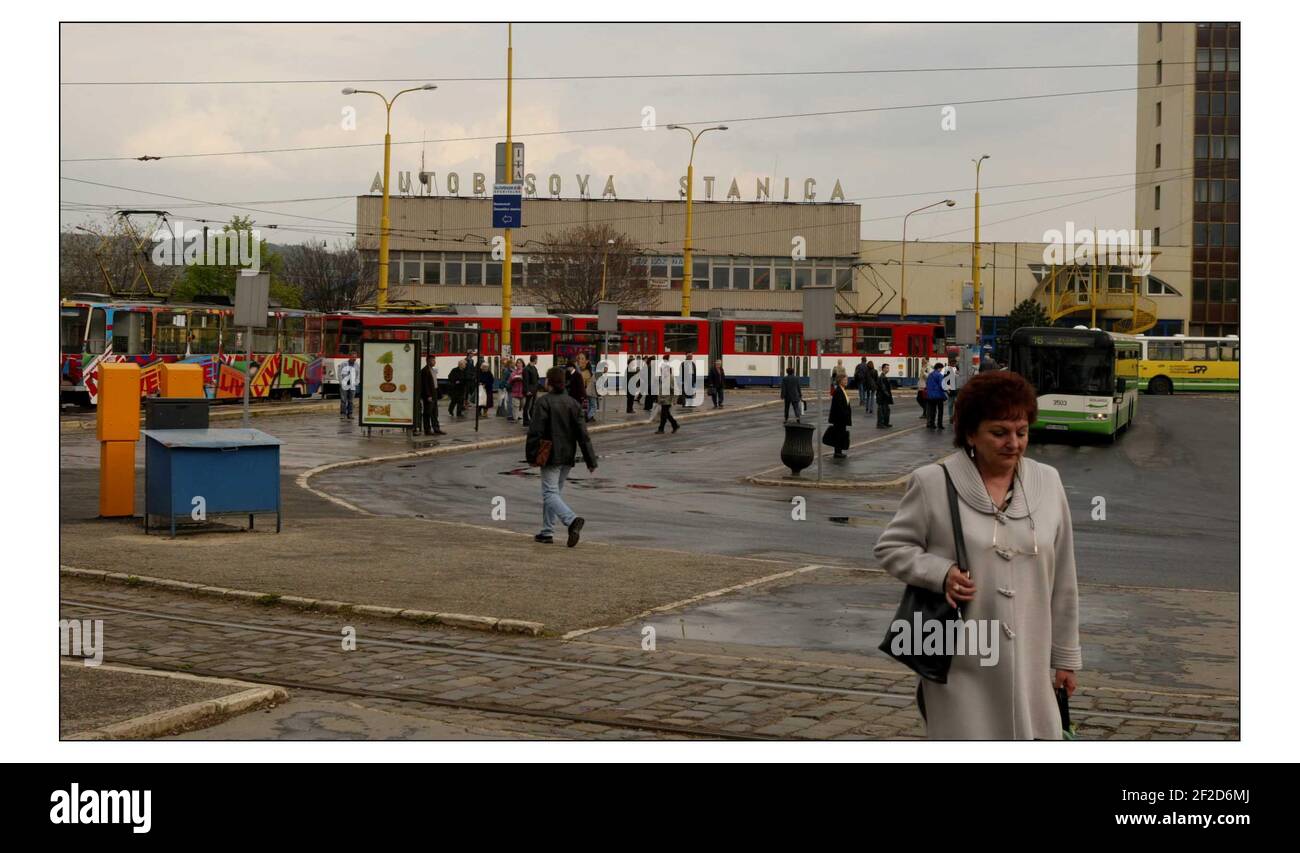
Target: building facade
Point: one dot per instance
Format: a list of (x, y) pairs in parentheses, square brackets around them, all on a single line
[(441, 252), (1189, 159)]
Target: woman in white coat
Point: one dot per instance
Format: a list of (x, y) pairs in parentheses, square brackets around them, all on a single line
[(1020, 546)]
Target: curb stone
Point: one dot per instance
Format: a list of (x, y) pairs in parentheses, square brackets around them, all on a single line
[(194, 715), (424, 617)]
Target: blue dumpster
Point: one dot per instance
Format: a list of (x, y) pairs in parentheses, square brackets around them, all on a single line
[(217, 470)]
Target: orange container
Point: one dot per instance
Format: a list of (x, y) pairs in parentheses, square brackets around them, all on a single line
[(118, 416), (116, 479), (181, 380)]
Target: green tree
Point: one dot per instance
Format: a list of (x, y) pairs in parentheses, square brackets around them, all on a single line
[(1027, 313)]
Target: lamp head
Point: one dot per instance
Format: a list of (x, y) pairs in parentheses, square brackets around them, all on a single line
[(428, 86), (349, 91)]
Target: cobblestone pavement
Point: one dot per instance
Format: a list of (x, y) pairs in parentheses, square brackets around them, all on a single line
[(599, 689)]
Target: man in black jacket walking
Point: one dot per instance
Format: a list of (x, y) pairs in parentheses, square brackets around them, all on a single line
[(532, 382), (792, 394), (717, 382), (429, 396), (558, 418), (884, 397)]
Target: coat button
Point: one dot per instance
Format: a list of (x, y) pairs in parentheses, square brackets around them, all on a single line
[(1006, 629), (1009, 593)]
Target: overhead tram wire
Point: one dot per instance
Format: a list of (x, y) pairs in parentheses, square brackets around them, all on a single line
[(410, 233), (659, 76), (638, 127), (479, 240)]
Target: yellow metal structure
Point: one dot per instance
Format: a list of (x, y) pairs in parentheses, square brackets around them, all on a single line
[(1071, 289), (688, 269), (180, 380), (118, 429), (118, 408)]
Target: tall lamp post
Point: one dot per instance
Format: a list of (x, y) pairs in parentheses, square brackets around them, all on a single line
[(381, 301), (688, 271), (975, 257), (604, 262), (902, 275)]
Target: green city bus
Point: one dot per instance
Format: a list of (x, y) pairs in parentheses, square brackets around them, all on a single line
[(1087, 379)]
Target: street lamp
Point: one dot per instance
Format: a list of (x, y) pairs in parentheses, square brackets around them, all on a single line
[(381, 301), (604, 260), (688, 271), (902, 274), (975, 257)]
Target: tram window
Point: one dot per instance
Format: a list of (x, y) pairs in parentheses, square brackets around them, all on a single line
[(171, 336), (264, 339), (844, 340), (293, 335), (132, 332), (96, 340), (681, 337), (204, 333), (350, 338), (535, 336), (750, 338), (872, 341), (72, 327)]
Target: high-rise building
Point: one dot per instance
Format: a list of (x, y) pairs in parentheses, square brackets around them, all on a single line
[(1189, 159)]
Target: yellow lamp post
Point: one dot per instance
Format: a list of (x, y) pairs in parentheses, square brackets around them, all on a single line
[(381, 300), (902, 274), (688, 271), (975, 258), (604, 261)]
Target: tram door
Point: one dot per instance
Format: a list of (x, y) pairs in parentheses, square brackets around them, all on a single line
[(918, 354), (791, 352)]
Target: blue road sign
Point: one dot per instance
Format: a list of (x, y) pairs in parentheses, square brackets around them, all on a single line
[(507, 210)]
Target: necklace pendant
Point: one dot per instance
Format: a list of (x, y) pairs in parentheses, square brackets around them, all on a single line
[(1000, 516), (1004, 553)]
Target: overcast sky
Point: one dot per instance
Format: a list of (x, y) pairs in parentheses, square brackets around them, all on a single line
[(872, 154)]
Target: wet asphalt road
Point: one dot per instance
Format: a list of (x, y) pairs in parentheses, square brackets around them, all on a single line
[(1170, 488)]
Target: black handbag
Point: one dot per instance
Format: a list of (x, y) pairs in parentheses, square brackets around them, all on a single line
[(930, 605)]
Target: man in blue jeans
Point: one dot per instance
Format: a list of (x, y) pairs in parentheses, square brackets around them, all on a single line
[(559, 419), (349, 376)]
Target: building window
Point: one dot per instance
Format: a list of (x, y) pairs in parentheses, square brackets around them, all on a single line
[(1160, 32), (1155, 237), (740, 278), (1157, 197), (751, 338), (1157, 155), (1201, 147), (1160, 109), (802, 277), (455, 269), (1160, 72), (494, 274), (783, 278), (1203, 59), (432, 268), (721, 276), (474, 269), (1231, 291), (763, 276)]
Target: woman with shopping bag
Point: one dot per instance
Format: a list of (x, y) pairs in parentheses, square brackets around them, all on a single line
[(841, 417)]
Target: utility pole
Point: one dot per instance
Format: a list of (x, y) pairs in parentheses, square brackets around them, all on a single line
[(975, 261), (508, 268)]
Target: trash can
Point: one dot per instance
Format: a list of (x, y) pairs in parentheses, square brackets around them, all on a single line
[(797, 451)]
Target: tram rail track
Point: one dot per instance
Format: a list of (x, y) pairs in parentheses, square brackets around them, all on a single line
[(539, 661)]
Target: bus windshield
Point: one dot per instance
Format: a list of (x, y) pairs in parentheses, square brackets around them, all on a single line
[(1080, 370)]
